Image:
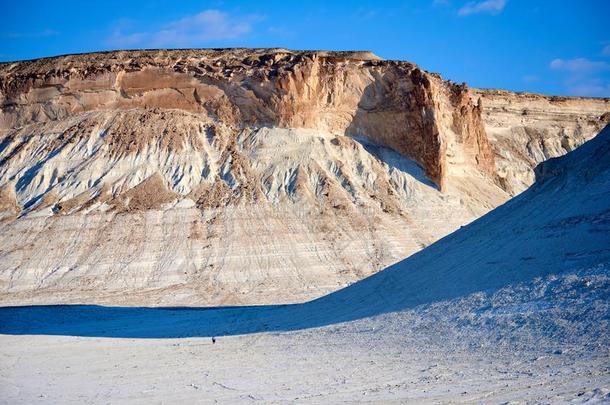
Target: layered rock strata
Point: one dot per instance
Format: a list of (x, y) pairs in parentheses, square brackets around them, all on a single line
[(526, 129), (235, 176)]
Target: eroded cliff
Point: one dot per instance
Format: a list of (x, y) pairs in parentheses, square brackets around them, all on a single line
[(396, 104), (526, 129), (239, 176)]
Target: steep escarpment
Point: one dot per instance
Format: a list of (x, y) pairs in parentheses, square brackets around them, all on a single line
[(227, 176), (526, 129), (396, 104), (232, 176)]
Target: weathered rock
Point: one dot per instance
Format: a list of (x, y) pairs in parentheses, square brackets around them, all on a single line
[(396, 104), (8, 202), (242, 176), (526, 129)]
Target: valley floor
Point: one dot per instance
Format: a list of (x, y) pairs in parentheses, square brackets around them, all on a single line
[(304, 367), (535, 342)]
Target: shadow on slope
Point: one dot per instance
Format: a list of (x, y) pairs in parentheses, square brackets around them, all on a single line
[(395, 160), (561, 223)]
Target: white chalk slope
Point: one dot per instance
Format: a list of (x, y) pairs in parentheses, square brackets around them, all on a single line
[(331, 210), (561, 224)]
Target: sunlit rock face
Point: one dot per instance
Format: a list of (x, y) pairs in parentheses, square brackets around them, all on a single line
[(396, 104), (526, 129), (246, 176)]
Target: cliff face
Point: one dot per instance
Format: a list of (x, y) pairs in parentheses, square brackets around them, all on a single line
[(241, 176), (394, 103), (526, 129)]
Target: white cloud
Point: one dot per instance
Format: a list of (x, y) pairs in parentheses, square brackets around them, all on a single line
[(578, 65), (492, 7), (204, 27), (583, 77)]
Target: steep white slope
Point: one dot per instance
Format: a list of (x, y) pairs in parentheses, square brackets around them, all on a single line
[(561, 224), (263, 215)]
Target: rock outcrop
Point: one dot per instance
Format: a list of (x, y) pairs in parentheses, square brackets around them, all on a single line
[(240, 176), (526, 129), (396, 104)]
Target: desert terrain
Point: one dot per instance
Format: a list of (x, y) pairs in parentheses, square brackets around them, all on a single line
[(268, 225)]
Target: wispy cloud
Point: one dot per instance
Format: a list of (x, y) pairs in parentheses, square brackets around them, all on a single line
[(204, 27), (280, 31), (584, 77), (36, 34), (365, 14), (530, 78), (606, 50), (492, 7), (579, 65)]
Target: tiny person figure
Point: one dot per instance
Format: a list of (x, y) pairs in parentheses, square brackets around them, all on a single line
[(213, 340)]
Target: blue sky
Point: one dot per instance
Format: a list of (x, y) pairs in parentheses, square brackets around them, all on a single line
[(552, 47)]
